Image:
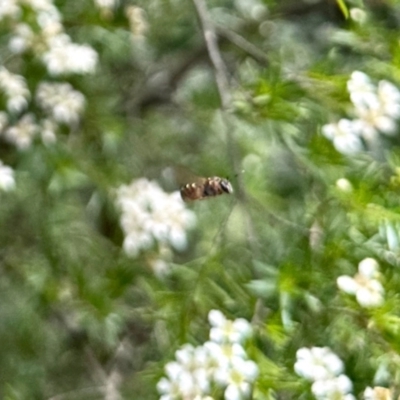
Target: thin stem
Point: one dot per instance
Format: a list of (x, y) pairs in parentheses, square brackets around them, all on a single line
[(222, 81), (210, 37), (243, 44)]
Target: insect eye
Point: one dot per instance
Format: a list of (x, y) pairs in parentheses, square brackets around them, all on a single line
[(226, 186)]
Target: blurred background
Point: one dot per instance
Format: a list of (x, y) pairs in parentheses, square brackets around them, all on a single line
[(107, 107)]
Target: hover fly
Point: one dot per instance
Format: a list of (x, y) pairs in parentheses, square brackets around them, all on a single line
[(206, 187)]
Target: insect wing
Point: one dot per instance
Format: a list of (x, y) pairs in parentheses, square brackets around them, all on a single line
[(194, 190)]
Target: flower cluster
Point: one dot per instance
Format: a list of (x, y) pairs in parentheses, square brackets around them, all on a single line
[(365, 286), (61, 101), (151, 215), (17, 94), (22, 133), (378, 393), (7, 181), (63, 56), (15, 89), (324, 369), (220, 364), (9, 9), (53, 46), (35, 26), (376, 109)]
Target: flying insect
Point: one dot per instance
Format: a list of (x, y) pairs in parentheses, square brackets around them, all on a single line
[(205, 188)]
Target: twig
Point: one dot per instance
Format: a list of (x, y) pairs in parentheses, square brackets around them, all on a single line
[(115, 376), (221, 78), (243, 44), (221, 75), (110, 382), (222, 81)]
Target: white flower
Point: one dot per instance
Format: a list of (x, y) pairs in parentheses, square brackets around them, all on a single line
[(369, 267), (361, 89), (63, 103), (371, 120), (224, 330), (378, 393), (186, 377), (370, 294), (344, 185), (9, 8), (21, 39), (389, 98), (106, 3), (48, 129), (50, 24), (160, 267), (223, 356), (39, 5), (168, 389), (150, 215), (191, 357), (368, 290), (238, 379), (376, 107), (64, 57), (324, 368), (335, 388), (358, 15), (7, 181), (137, 20), (22, 133), (15, 89), (196, 368), (317, 363), (344, 136), (135, 242)]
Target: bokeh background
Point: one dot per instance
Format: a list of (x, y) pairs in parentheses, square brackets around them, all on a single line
[(107, 107)]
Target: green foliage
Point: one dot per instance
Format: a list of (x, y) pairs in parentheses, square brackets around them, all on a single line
[(76, 309)]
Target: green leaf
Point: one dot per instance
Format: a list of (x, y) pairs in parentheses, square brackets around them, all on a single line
[(343, 8)]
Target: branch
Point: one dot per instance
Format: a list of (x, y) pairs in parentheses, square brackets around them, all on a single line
[(210, 37), (110, 382), (221, 78), (243, 44)]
